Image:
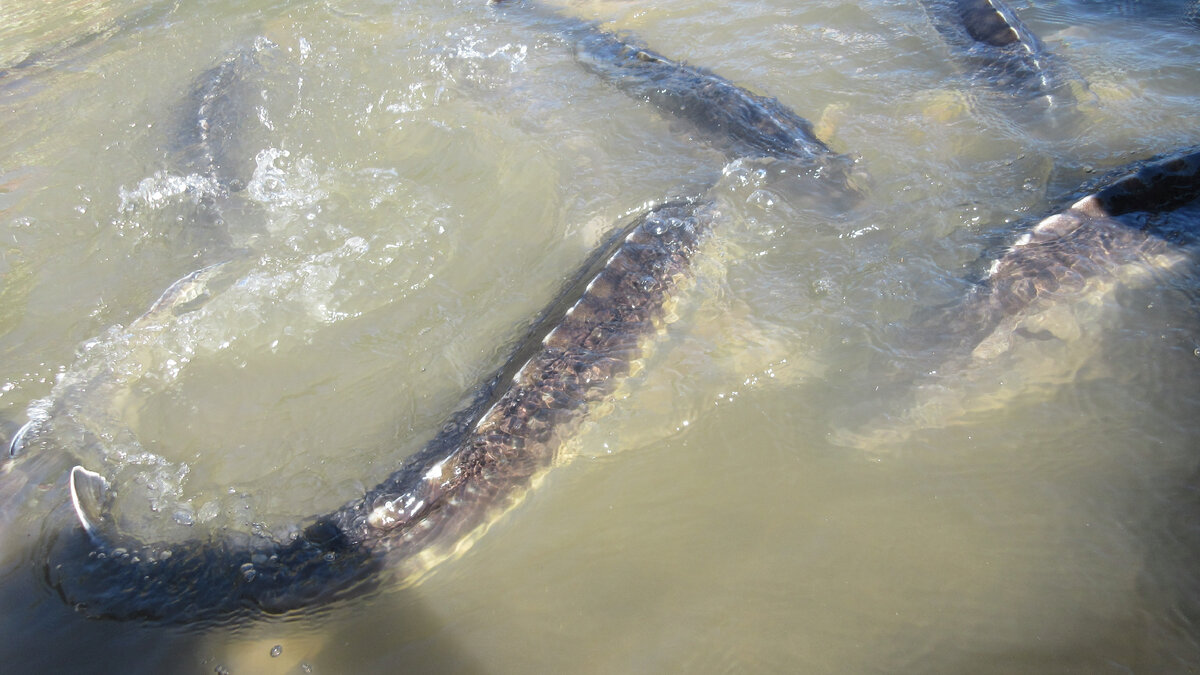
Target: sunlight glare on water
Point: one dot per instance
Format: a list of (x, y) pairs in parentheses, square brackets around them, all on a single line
[(788, 482)]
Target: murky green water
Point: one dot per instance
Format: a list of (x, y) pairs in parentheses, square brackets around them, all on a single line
[(422, 178)]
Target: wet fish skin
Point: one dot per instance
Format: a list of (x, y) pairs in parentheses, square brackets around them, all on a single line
[(479, 466), (1003, 50), (1060, 252), (995, 23), (1125, 226), (212, 125), (747, 124), (730, 118), (1159, 184)]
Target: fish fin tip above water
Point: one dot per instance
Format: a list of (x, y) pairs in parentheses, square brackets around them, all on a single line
[(17, 445), (88, 489)]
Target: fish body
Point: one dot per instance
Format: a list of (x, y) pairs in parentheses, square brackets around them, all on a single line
[(212, 127), (748, 125), (1000, 49), (479, 466), (727, 116), (1058, 256), (486, 456), (1025, 325)]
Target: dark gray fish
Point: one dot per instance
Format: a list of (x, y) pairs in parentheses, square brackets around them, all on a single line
[(1126, 227), (210, 143), (219, 109), (1001, 50), (480, 465), (487, 455), (729, 117), (1092, 236)]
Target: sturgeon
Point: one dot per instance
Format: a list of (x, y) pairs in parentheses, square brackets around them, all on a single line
[(1121, 227), (219, 102), (480, 464), (487, 455), (727, 116), (208, 149), (1088, 239), (54, 55), (1002, 50)]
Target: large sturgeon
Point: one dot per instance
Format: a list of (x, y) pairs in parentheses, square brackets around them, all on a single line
[(480, 464), (210, 141), (489, 454), (1003, 51), (729, 117), (207, 155), (1123, 227), (1056, 258)]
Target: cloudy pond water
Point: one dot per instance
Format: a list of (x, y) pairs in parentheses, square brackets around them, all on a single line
[(802, 476)]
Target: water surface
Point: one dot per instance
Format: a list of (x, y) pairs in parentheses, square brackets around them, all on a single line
[(420, 181)]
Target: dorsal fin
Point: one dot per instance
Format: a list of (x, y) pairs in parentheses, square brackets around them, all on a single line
[(87, 496)]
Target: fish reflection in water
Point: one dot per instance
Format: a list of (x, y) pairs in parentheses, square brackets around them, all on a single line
[(1116, 229), (487, 455)]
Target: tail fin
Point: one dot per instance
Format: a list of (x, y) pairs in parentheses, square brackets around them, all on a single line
[(88, 490), (17, 445)]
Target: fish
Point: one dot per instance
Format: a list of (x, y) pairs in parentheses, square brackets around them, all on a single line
[(1058, 255), (489, 454), (210, 136), (207, 158), (1128, 225), (728, 117), (1004, 52), (478, 466)]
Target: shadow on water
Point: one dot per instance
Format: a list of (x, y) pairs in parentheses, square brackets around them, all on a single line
[(35, 509)]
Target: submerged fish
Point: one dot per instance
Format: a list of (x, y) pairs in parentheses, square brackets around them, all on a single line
[(97, 31), (208, 153), (480, 465), (736, 121), (1058, 256), (1112, 231), (214, 117), (1003, 51), (489, 454)]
